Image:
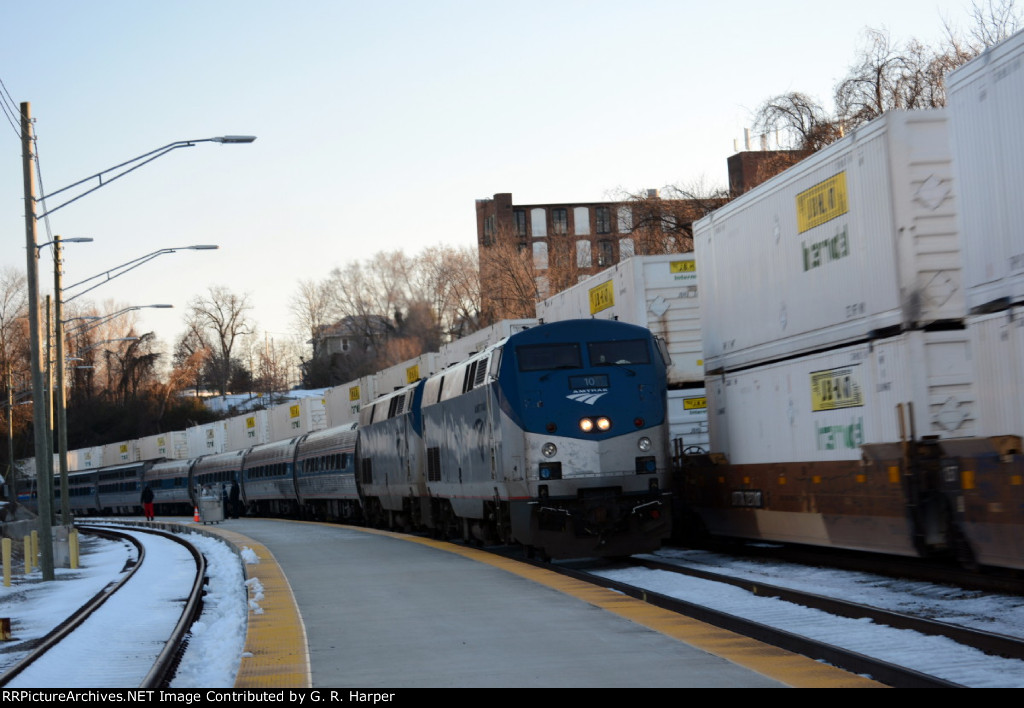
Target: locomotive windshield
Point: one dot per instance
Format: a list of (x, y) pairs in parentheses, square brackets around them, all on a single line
[(544, 357), (631, 351)]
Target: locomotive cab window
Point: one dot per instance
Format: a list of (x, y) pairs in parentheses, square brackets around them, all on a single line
[(543, 357), (632, 351)]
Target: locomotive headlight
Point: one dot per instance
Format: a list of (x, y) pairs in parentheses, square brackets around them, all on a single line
[(603, 424), (644, 444), (549, 449), (586, 425)]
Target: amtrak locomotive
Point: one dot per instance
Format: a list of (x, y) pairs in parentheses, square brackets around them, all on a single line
[(555, 438)]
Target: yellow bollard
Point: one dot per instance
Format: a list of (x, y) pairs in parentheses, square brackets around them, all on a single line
[(73, 544), (26, 547), (7, 562), (35, 550)]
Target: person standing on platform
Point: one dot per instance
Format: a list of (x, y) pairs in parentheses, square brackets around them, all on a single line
[(147, 503), (233, 499)]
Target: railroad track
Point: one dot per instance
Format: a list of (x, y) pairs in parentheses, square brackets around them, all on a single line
[(887, 672), (152, 675)]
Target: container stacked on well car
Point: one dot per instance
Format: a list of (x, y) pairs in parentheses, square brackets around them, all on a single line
[(833, 316), (986, 101), (861, 393)]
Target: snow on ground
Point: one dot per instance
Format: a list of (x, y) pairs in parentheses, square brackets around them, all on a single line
[(936, 656), (217, 638)]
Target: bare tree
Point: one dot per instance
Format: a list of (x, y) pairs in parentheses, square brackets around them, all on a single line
[(663, 219), (272, 364), (14, 360), (801, 121), (314, 306), (887, 75), (509, 275), (222, 317), (131, 366), (451, 280), (991, 23)]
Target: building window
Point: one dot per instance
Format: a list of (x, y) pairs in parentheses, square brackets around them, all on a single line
[(489, 230), (626, 249), (581, 221), (605, 253), (540, 255), (583, 259), (625, 220), (541, 282), (560, 221), (604, 220), (520, 217), (538, 223)]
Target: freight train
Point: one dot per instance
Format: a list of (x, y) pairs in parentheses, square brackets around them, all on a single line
[(863, 355), (555, 438)]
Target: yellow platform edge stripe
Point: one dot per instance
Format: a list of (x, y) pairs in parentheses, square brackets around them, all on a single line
[(276, 652), (284, 632), (786, 667)]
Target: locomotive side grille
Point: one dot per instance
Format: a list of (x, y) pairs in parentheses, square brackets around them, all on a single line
[(433, 464)]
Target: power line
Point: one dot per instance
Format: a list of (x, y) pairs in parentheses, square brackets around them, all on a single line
[(10, 109)]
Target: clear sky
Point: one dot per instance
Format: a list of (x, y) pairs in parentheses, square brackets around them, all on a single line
[(379, 123)]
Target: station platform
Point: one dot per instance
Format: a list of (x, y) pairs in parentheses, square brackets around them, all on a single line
[(358, 608)]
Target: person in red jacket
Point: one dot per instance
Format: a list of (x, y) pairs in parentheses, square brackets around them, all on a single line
[(147, 503)]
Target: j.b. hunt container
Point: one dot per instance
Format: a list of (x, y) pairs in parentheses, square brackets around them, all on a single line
[(986, 102), (825, 406), (819, 449), (859, 238)]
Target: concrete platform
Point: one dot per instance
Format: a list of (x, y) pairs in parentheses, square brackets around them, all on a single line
[(355, 608)]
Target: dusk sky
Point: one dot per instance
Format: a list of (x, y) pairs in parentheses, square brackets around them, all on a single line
[(379, 123)]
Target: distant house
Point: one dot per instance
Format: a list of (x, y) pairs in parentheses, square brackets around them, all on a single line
[(346, 350)]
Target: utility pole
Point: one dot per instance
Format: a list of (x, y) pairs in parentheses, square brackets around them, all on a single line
[(43, 474), (12, 474), (62, 411)]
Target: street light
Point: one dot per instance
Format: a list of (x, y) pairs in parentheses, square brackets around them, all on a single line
[(32, 278), (132, 265), (95, 321), (130, 165)]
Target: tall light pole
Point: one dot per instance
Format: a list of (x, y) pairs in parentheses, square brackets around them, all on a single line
[(43, 464)]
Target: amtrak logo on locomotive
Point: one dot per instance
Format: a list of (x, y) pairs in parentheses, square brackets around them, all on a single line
[(588, 397)]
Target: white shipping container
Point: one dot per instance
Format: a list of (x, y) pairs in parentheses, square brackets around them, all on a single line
[(463, 348), (688, 419), (823, 407), (244, 431), (997, 348), (173, 446), (301, 416), (400, 375), (986, 102), (120, 452), (658, 292), (89, 458), (207, 439), (859, 237), (343, 402)]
